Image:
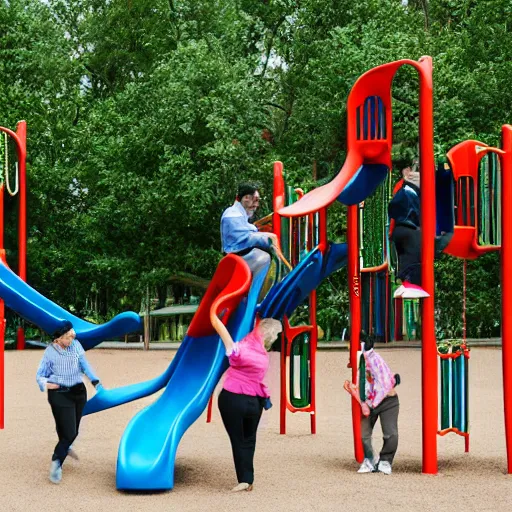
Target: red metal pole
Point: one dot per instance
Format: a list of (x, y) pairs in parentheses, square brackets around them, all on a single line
[(506, 285), (428, 231), (314, 342), (2, 318), (2, 364), (209, 411), (282, 419), (354, 277), (21, 131), (278, 203)]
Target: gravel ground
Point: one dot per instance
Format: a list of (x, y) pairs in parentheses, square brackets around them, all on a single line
[(296, 472)]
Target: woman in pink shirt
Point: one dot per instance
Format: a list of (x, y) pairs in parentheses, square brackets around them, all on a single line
[(244, 394)]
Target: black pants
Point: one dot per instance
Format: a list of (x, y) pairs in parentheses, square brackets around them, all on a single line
[(387, 411), (241, 415), (407, 242), (67, 406)]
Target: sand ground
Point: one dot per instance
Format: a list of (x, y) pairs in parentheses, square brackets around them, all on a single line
[(296, 472)]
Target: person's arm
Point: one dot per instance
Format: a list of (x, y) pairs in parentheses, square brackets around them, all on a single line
[(43, 372), (223, 333), (85, 366), (398, 207), (237, 231)]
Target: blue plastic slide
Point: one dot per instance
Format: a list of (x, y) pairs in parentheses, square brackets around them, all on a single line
[(293, 290), (47, 315), (148, 447), (108, 398)]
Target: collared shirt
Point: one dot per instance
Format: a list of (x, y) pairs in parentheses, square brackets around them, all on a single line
[(248, 365), (64, 366), (237, 233), (379, 378), (405, 206)]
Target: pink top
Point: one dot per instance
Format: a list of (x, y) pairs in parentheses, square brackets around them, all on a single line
[(248, 364), (379, 378)]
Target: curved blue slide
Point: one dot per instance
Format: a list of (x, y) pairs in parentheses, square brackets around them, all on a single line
[(148, 447), (47, 315), (284, 297), (107, 398)]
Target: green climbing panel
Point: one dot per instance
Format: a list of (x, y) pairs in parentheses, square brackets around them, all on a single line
[(300, 378), (489, 201), (453, 389)]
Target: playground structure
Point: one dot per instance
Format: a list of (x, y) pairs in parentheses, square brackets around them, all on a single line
[(476, 176), (147, 455), (19, 138), (297, 237), (369, 143), (17, 295)]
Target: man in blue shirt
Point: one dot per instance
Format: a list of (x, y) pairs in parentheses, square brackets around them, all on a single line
[(241, 237)]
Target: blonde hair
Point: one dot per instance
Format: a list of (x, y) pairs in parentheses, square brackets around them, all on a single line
[(269, 329)]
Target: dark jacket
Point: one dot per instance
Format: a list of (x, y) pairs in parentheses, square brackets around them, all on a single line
[(405, 206)]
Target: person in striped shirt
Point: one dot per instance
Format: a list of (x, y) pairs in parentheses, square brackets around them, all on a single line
[(60, 374)]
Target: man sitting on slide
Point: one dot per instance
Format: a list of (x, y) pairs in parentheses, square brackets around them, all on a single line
[(241, 237)]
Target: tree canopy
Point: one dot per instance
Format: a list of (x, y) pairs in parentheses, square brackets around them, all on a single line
[(144, 115)]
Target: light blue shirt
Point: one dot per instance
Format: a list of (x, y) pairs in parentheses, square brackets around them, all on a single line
[(237, 233), (64, 366)]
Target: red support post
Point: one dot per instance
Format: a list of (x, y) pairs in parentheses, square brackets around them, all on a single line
[(506, 285), (209, 411), (20, 139), (2, 317), (21, 131), (2, 365), (278, 203), (354, 277), (283, 398), (313, 345), (428, 232)]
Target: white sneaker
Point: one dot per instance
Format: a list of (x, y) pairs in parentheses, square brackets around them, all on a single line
[(366, 467), (399, 291), (243, 486), (410, 291), (55, 472), (384, 467)]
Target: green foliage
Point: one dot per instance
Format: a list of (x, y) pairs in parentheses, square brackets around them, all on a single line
[(143, 116)]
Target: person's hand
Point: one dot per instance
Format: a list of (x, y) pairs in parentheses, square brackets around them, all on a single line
[(97, 385), (273, 239), (51, 385), (365, 409)]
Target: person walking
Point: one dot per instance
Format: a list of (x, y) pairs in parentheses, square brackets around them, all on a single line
[(60, 374)]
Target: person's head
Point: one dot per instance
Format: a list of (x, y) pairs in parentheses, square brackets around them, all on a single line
[(367, 340), (411, 172), (249, 197), (269, 329), (64, 335)]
